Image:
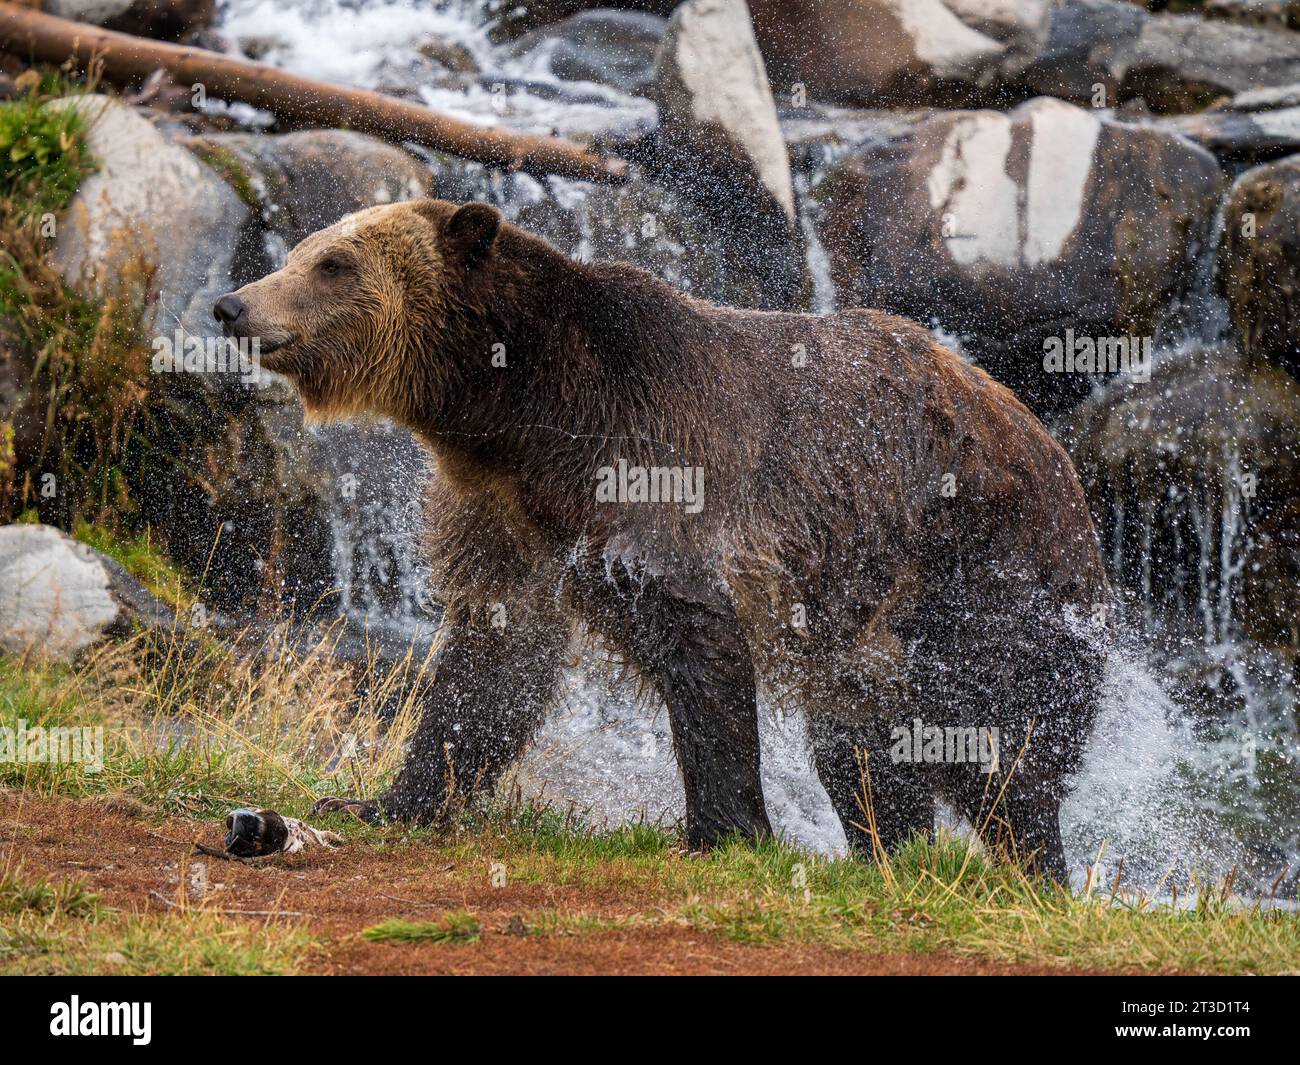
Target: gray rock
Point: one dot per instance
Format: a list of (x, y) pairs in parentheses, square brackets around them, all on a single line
[(1176, 63), (1259, 261), (59, 597), (607, 46), (1250, 136), (164, 19), (1270, 14), (154, 199), (719, 141), (306, 181), (875, 52), (1009, 229), (95, 12)]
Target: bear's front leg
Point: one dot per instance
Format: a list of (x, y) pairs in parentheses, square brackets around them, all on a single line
[(493, 685), (684, 636)]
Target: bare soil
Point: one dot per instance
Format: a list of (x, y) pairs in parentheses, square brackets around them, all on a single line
[(138, 866)]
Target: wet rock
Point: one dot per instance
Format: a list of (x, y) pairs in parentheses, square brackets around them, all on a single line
[(95, 12), (1175, 63), (1194, 482), (449, 55), (874, 52), (607, 46), (59, 597), (152, 199), (646, 224), (1242, 136), (513, 20), (166, 20), (1259, 261), (719, 142), (302, 182), (1268, 14), (1045, 226)]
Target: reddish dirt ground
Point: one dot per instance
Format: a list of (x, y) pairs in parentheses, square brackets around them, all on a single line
[(135, 865)]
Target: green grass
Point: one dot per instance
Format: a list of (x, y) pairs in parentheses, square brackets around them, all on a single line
[(453, 928), (42, 153), (947, 896), (141, 557), (61, 929)]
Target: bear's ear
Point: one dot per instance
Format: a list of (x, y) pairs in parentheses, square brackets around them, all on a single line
[(471, 230)]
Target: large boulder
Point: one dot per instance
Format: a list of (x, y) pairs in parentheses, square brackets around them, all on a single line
[(58, 597), (1044, 226), (1194, 483), (1259, 260), (302, 182), (153, 199), (1174, 62), (719, 143), (873, 52)]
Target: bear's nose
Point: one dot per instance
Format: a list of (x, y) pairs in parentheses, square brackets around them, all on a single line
[(229, 309)]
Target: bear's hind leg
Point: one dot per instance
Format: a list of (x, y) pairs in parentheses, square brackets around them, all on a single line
[(901, 802)]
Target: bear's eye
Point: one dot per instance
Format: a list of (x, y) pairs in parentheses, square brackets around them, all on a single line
[(330, 267)]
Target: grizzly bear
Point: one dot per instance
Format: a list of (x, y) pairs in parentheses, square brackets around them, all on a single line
[(834, 506)]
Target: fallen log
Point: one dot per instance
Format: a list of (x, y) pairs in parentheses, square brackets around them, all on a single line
[(45, 38)]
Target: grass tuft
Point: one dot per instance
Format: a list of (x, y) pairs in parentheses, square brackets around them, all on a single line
[(454, 928)]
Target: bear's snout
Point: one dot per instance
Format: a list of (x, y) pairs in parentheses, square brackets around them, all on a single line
[(228, 311)]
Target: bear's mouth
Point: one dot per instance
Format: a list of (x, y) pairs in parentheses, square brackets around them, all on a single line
[(270, 351)]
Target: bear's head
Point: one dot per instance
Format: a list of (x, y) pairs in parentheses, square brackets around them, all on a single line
[(366, 309)]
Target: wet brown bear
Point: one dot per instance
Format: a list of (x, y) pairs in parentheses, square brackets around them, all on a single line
[(833, 505)]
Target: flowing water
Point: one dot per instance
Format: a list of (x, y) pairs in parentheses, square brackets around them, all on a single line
[(1162, 789)]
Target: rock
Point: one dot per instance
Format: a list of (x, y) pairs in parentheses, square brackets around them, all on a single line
[(1194, 482), (874, 52), (1259, 261), (95, 12), (305, 181), (59, 597), (449, 55), (607, 46), (1010, 229), (1074, 62), (719, 141), (1241, 136), (154, 199), (1272, 99), (1269, 14), (513, 20), (1175, 63), (167, 20)]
